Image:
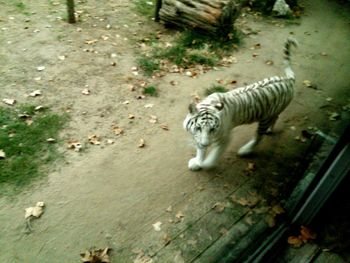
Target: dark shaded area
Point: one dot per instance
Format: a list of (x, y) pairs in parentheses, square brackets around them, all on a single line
[(332, 224)]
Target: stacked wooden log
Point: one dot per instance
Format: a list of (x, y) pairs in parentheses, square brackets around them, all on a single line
[(212, 16)]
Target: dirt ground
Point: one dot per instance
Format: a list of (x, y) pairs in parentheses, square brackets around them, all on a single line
[(111, 194)]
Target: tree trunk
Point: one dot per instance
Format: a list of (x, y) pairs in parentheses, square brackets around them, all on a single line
[(212, 16), (71, 12)]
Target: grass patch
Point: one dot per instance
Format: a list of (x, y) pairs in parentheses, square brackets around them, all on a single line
[(148, 65), (145, 7), (151, 91), (190, 48), (25, 145), (214, 89)]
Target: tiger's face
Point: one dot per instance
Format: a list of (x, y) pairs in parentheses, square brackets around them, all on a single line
[(203, 124)]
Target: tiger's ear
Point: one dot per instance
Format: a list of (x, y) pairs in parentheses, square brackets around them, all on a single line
[(219, 106), (192, 108)]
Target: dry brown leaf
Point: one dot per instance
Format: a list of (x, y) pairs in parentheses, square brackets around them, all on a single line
[(94, 139), (131, 116), (153, 119), (90, 42), (277, 209), (294, 241), (9, 101), (35, 211), (164, 126), (306, 233), (150, 105), (2, 154), (96, 256), (179, 215), (74, 144), (251, 167), (141, 143), (157, 226), (141, 258), (166, 239), (35, 93), (218, 207), (85, 92), (117, 130)]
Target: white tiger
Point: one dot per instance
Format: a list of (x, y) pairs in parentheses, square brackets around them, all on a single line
[(211, 121)]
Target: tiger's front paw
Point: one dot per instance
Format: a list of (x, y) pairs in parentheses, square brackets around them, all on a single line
[(194, 164)]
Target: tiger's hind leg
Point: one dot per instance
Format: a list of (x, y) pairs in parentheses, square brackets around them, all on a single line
[(263, 127)]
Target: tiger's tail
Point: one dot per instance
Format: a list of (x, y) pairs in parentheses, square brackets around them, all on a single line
[(286, 56)]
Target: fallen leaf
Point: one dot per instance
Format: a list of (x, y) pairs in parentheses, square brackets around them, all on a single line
[(74, 144), (96, 256), (294, 241), (35, 211), (2, 154), (109, 141), (29, 121), (269, 62), (141, 143), (179, 215), (9, 101), (306, 233), (166, 239), (164, 126), (277, 209), (218, 207), (61, 57), (51, 140), (153, 119), (117, 130), (249, 220), (90, 42), (308, 84), (329, 99), (126, 102), (141, 258), (157, 226), (40, 68), (251, 167), (85, 92), (35, 93), (173, 82), (169, 209), (334, 116), (94, 139), (150, 105), (38, 108)]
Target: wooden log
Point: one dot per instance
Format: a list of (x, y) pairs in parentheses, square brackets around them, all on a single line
[(212, 16)]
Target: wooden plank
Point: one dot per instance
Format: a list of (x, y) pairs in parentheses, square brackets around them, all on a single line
[(193, 206), (194, 240)]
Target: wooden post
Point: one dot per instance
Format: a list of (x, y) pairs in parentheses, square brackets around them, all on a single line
[(156, 11), (71, 12)]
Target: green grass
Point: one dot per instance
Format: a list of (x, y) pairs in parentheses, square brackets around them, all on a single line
[(25, 145), (145, 7), (215, 88), (151, 91), (148, 65), (189, 49)]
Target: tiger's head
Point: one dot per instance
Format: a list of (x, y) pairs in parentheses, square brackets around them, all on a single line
[(203, 123)]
